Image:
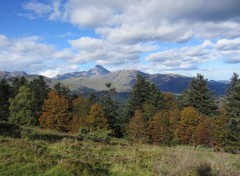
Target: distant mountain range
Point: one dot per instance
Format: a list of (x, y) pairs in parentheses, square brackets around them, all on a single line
[(123, 80)]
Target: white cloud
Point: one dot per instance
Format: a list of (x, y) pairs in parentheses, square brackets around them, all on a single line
[(38, 8)]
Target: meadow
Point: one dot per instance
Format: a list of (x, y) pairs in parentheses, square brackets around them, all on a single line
[(32, 151)]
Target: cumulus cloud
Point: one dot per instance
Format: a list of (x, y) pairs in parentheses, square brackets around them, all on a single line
[(33, 56), (127, 29), (190, 57)]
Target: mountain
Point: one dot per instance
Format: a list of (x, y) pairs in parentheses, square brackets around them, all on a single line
[(97, 71), (123, 80), (7, 75), (94, 72)]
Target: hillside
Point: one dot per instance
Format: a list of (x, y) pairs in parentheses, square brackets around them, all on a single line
[(46, 153), (123, 80)]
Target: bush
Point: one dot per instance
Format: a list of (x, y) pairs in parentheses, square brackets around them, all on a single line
[(9, 129), (100, 135)]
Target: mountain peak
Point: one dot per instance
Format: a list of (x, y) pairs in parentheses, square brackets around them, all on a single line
[(97, 71)]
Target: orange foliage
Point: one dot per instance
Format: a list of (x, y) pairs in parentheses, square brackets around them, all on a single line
[(189, 120), (158, 128), (55, 113), (204, 132), (136, 129)]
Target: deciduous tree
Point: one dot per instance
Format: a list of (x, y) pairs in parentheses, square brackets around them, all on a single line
[(21, 108), (55, 112)]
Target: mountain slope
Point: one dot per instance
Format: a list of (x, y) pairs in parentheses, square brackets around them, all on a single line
[(123, 80)]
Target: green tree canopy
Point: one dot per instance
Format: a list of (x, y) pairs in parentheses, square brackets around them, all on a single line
[(144, 95), (199, 96), (39, 89), (232, 106), (21, 108), (5, 94)]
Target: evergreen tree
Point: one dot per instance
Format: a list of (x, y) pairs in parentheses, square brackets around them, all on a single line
[(55, 113), (110, 107), (39, 89), (5, 94), (144, 94), (17, 83), (232, 105), (21, 108), (62, 90), (200, 97)]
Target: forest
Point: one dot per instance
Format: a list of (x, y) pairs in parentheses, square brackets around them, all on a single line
[(150, 116)]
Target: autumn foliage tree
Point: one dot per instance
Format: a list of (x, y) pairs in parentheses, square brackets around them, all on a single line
[(189, 120), (204, 132), (80, 111), (55, 112), (96, 119), (158, 128), (136, 129)]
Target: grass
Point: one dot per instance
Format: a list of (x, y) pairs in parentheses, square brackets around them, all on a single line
[(71, 156)]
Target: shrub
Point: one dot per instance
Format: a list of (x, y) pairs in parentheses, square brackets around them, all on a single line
[(102, 135)]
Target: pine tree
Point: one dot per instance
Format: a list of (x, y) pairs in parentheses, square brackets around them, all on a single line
[(136, 129), (232, 105), (21, 108), (62, 90), (110, 106), (145, 94), (200, 97), (96, 119), (39, 89), (17, 83), (55, 113), (189, 120), (5, 94)]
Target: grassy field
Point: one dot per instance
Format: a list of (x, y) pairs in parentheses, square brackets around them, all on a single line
[(69, 156)]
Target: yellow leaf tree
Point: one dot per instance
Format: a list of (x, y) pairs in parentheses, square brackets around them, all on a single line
[(189, 120), (55, 113), (96, 118)]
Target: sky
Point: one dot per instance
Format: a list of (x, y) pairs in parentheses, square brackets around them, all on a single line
[(186, 37)]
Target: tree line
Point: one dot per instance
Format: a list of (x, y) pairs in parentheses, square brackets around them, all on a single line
[(149, 116)]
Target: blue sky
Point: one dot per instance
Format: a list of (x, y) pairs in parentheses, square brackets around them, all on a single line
[(51, 37)]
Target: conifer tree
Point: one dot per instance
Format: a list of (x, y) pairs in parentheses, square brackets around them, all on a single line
[(55, 113), (96, 119), (144, 95), (110, 106), (5, 94), (62, 90), (39, 89), (21, 108), (232, 106), (17, 83), (200, 97)]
